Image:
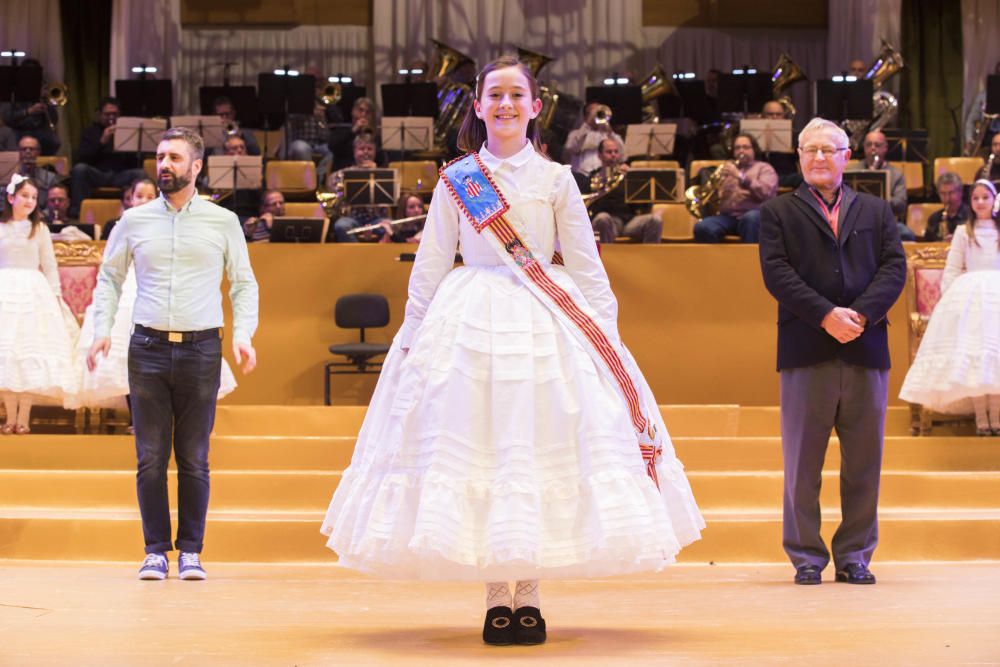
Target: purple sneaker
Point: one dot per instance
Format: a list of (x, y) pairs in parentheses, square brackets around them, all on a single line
[(190, 566), (154, 568)]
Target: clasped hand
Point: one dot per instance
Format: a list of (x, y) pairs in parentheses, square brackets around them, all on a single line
[(844, 324)]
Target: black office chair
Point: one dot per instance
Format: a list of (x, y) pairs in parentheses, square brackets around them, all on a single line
[(357, 311)]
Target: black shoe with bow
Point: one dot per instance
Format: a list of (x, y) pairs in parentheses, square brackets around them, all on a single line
[(498, 628), (855, 573), (529, 626)]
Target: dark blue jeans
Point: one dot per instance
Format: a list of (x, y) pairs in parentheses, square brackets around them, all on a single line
[(173, 387), (715, 228)]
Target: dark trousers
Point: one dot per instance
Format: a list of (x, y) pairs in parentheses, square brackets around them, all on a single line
[(84, 178), (815, 400), (173, 388), (715, 228)]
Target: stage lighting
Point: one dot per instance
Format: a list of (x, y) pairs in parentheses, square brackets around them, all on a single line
[(340, 78)]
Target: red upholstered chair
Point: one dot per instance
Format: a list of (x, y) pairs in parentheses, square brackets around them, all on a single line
[(925, 269), (78, 265)]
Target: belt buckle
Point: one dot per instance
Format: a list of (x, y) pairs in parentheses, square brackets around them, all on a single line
[(175, 337)]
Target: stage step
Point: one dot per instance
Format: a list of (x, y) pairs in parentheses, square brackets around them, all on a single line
[(74, 534), (274, 469), (310, 490)]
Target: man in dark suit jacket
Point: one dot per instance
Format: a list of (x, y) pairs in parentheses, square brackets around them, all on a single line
[(833, 260)]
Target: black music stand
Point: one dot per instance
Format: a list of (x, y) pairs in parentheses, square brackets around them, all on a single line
[(874, 182), (743, 93), (370, 187), (348, 94), (409, 99), (654, 186), (650, 139), (843, 100), (297, 230), (694, 103), (244, 99), (625, 102), (282, 95), (993, 93), (145, 98), (20, 84), (907, 145)]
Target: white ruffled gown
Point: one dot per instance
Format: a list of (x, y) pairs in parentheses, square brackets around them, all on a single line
[(494, 449), (37, 332), (107, 385), (959, 355)]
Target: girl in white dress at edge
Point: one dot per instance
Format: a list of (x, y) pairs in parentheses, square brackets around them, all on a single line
[(494, 448), (108, 383), (957, 367), (36, 335)]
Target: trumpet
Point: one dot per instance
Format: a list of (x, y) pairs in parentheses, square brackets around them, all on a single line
[(392, 223), (602, 115), (329, 93), (603, 182), (231, 128), (55, 94)]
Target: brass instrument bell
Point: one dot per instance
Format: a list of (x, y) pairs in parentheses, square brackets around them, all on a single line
[(329, 93), (55, 94), (786, 72), (533, 60)]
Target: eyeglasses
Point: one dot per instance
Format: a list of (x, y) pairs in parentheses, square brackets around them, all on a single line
[(813, 151)]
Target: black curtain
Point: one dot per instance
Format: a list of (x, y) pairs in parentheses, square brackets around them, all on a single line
[(86, 35), (931, 92)]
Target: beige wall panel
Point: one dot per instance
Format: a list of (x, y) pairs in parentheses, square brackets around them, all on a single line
[(697, 318)]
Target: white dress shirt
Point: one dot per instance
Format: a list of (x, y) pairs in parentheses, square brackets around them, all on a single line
[(179, 258), (546, 209)]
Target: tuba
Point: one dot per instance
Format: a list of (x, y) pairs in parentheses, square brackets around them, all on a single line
[(653, 86), (887, 63), (703, 200), (454, 99), (982, 124), (785, 73)]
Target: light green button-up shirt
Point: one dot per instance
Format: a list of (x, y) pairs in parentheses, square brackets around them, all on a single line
[(179, 257)]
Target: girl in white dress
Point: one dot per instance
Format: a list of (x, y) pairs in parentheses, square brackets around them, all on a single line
[(495, 449), (107, 385), (957, 368), (36, 335)]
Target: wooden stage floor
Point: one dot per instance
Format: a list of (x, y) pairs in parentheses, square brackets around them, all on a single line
[(58, 613)]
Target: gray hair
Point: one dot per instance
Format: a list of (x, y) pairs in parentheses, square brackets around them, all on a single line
[(824, 125), (948, 178), (188, 136)]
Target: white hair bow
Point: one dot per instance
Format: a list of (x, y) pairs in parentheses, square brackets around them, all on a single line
[(15, 181)]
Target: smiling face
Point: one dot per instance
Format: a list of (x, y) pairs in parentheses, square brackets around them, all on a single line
[(23, 201), (823, 156), (506, 105), (982, 202)]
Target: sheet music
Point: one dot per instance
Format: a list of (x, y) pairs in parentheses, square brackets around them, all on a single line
[(772, 135), (650, 139), (134, 134)]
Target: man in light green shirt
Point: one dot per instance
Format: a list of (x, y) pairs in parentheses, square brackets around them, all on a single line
[(179, 245)]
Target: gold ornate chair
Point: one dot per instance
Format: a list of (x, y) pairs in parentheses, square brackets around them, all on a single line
[(925, 268)]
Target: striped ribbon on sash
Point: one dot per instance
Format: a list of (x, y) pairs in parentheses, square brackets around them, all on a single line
[(479, 198)]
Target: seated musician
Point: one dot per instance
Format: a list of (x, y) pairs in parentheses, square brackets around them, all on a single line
[(226, 110), (991, 169), (342, 137), (746, 184), (583, 144), (941, 224), (876, 148), (408, 206), (246, 201), (610, 215), (356, 216), (786, 164), (258, 228)]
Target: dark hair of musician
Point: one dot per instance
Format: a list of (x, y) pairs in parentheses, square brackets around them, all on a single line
[(108, 100), (144, 180), (35, 216), (472, 134), (753, 144), (403, 201)]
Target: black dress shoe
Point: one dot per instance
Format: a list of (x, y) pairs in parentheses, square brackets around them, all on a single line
[(808, 575), (855, 573), (498, 628), (529, 626)]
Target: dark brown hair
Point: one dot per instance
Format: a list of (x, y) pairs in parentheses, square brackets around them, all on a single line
[(472, 134), (403, 201), (753, 144), (35, 216), (970, 224)]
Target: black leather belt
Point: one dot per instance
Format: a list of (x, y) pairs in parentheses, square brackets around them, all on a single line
[(179, 336)]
